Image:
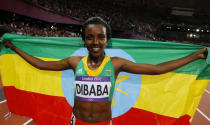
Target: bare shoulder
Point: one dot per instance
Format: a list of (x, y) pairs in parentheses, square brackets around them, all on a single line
[(74, 60), (78, 58), (118, 60), (118, 63), (115, 58)]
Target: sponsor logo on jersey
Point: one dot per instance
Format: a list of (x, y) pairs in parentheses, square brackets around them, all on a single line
[(79, 71)]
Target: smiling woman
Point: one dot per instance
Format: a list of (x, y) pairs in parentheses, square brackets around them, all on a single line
[(95, 74), (95, 39)]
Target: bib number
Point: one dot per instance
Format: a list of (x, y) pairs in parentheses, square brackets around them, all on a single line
[(92, 88)]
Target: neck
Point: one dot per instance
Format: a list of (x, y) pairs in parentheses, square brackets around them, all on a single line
[(96, 59)]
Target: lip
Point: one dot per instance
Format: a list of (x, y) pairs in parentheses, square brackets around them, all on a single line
[(95, 49)]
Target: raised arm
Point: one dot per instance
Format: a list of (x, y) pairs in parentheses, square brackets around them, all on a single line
[(137, 68), (67, 63)]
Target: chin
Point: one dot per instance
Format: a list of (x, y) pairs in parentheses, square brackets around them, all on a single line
[(96, 54)]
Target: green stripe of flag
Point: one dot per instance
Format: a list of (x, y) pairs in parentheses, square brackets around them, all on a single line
[(150, 52)]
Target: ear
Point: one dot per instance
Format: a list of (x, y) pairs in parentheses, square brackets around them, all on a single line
[(109, 44), (106, 43)]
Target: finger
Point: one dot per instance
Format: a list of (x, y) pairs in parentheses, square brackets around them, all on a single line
[(5, 43), (5, 40), (205, 53)]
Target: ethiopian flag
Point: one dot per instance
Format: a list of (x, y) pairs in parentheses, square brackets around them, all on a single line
[(48, 96)]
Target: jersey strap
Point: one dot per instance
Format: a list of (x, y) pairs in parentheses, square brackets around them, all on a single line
[(98, 70)]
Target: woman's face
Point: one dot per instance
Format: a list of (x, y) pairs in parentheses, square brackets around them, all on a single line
[(95, 39)]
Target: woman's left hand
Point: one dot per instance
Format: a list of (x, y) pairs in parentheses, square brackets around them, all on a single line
[(202, 53)]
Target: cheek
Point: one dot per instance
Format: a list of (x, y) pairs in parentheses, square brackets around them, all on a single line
[(105, 43), (87, 42)]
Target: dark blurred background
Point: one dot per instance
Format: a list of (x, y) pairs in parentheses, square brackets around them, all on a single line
[(185, 21)]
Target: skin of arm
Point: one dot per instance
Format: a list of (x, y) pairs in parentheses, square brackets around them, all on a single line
[(68, 63), (119, 64), (137, 68)]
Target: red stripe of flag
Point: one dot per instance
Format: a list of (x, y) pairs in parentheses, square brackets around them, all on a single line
[(53, 110)]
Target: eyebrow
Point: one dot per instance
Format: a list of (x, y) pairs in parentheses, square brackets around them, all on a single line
[(101, 34)]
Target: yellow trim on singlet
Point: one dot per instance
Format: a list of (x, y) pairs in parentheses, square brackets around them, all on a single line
[(97, 71)]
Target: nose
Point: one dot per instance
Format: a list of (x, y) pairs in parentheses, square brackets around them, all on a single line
[(96, 40)]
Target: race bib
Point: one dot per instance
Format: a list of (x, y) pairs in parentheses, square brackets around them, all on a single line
[(92, 88)]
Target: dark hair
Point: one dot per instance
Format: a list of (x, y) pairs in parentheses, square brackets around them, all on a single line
[(96, 20)]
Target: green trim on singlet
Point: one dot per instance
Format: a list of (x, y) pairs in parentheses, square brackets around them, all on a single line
[(107, 70)]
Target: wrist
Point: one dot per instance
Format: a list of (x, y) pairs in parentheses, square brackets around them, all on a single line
[(194, 56), (198, 56)]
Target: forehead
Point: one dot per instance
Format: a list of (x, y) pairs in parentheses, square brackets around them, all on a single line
[(95, 28)]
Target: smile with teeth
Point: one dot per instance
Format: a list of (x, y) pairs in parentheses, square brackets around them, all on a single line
[(95, 49)]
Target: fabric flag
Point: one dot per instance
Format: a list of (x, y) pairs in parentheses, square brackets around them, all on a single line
[(48, 96)]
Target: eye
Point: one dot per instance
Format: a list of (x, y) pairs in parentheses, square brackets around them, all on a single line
[(101, 36), (88, 37)]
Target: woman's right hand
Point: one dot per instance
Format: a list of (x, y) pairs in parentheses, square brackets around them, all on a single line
[(8, 44)]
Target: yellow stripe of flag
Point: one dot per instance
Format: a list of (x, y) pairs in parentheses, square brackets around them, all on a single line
[(43, 82), (152, 97), (170, 89)]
